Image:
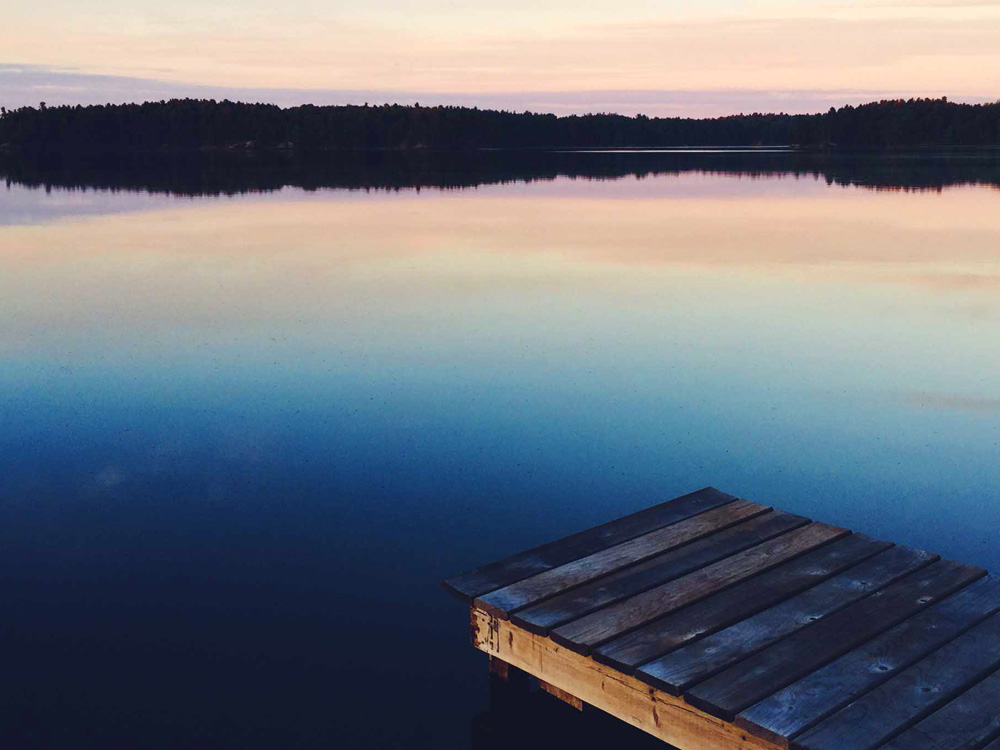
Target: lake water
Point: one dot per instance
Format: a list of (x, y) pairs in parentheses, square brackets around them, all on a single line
[(250, 416)]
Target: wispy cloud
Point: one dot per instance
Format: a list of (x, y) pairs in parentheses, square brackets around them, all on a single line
[(936, 4), (815, 48)]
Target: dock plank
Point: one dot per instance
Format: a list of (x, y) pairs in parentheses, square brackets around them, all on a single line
[(677, 672), (776, 667), (592, 630), (728, 607), (803, 704), (907, 698), (964, 724), (540, 618), (495, 575), (538, 587)]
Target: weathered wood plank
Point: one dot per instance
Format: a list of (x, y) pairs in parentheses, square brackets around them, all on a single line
[(904, 700), (660, 715), (509, 570), (535, 588), (776, 667), (633, 580), (584, 634), (964, 724), (805, 703), (737, 603), (678, 671)]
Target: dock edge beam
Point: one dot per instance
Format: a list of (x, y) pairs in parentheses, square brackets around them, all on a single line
[(657, 713)]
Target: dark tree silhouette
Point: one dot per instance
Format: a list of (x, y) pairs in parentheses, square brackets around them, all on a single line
[(188, 124)]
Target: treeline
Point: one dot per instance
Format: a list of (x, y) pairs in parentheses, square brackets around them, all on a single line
[(190, 124)]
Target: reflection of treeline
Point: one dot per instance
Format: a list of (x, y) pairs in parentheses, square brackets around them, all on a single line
[(231, 173), (198, 124)]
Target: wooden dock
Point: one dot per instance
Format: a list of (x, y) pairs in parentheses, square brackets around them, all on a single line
[(714, 623)]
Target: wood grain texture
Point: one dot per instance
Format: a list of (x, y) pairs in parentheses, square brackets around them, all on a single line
[(509, 570), (678, 671), (904, 700), (805, 703), (737, 603), (967, 722), (635, 579), (592, 630), (660, 715), (564, 577), (776, 667)]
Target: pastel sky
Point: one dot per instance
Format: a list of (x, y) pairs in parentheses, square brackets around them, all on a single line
[(657, 56)]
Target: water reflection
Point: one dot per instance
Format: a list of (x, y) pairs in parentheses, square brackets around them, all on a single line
[(243, 437), (205, 174)]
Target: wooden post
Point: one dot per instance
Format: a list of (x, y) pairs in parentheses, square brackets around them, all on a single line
[(561, 694), (508, 685)]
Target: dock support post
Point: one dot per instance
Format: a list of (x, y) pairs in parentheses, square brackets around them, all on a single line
[(568, 699), (508, 685)]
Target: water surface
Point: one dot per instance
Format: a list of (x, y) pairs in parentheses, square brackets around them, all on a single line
[(250, 417)]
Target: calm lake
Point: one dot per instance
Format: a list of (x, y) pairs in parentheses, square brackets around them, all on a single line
[(252, 413)]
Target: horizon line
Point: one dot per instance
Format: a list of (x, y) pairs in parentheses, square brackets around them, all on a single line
[(417, 105), (28, 85)]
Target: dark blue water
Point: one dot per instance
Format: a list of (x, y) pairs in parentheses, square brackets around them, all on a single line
[(243, 437)]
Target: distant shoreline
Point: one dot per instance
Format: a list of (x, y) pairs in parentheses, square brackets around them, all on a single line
[(215, 126), (251, 150)]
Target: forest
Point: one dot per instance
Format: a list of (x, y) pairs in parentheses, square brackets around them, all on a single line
[(195, 124)]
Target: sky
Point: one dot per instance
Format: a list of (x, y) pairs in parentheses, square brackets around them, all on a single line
[(661, 57)]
